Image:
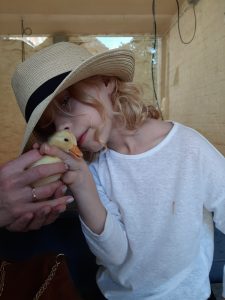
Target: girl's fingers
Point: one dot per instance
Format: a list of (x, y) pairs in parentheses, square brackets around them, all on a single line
[(54, 151), (69, 177), (60, 191)]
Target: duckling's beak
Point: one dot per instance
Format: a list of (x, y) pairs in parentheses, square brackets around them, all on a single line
[(75, 151)]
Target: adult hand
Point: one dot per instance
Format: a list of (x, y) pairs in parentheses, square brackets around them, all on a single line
[(18, 211)]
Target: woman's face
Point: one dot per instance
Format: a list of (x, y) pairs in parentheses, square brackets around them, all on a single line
[(85, 121)]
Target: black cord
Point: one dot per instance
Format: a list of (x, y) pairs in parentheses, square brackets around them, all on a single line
[(178, 22), (153, 58), (27, 31), (22, 42)]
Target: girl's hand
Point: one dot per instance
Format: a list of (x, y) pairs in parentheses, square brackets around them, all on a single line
[(18, 211), (81, 183), (77, 174)]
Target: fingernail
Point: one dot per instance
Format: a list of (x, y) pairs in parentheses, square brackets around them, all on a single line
[(64, 189), (69, 200)]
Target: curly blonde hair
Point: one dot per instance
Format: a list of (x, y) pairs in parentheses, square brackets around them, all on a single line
[(127, 103), (127, 100)]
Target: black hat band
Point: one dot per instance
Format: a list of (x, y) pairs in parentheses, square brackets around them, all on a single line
[(40, 94)]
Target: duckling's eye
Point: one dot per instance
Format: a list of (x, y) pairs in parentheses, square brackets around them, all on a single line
[(66, 140)]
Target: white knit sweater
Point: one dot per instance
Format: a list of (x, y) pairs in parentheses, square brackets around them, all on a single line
[(158, 238)]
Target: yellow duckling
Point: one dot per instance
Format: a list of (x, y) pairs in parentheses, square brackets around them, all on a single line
[(67, 142)]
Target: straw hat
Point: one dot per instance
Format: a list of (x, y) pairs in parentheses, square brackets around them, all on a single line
[(45, 74)]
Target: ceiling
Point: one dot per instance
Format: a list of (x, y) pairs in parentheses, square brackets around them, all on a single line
[(48, 17)]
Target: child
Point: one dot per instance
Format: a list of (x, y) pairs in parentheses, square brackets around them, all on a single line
[(146, 197)]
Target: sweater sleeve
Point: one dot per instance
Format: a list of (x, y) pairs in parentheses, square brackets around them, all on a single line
[(111, 246), (214, 182)]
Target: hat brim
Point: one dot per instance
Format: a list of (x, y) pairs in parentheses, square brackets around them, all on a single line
[(119, 63)]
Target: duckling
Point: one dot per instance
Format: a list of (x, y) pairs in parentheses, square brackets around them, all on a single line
[(67, 142)]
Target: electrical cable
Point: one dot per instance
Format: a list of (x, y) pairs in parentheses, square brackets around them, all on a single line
[(178, 22), (155, 45), (27, 31), (153, 58), (22, 42)]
